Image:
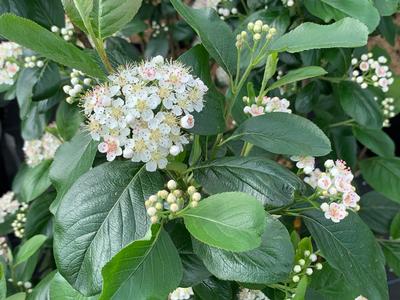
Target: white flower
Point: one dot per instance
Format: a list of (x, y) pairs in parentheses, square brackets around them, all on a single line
[(254, 110), (361, 298), (141, 111), (9, 62), (350, 199), (247, 294), (8, 205), (307, 163), (324, 182), (334, 211), (181, 294)]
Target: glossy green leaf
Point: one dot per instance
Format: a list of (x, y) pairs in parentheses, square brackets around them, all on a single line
[(210, 120), (391, 249), (24, 90), (395, 227), (376, 140), (48, 81), (347, 33), (284, 133), (47, 44), (362, 10), (269, 263), (349, 246), (387, 7), (72, 159), (238, 227), (78, 11), (29, 248), (145, 269), (61, 289), (100, 214), (38, 215), (266, 180), (68, 119), (360, 105), (383, 174), (46, 13), (215, 34), (378, 211), (31, 182), (298, 75), (42, 290), (213, 288)]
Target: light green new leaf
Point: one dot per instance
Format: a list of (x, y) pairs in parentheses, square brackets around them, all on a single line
[(99, 215), (17, 296), (359, 104), (266, 180), (383, 174), (270, 263), (31, 182), (376, 140), (77, 11), (362, 10), (351, 248), (297, 75), (215, 34), (347, 33), (145, 269), (72, 159), (236, 227), (284, 133), (33, 36), (301, 289), (29, 248)]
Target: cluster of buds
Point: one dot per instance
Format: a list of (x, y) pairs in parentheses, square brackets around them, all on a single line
[(18, 224), (257, 30), (370, 72), (225, 12), (288, 3), (158, 28), (388, 110), (26, 285), (3, 247), (10, 54), (79, 84), (8, 206), (168, 202), (259, 106), (248, 294), (181, 294), (32, 61), (67, 32), (335, 185)]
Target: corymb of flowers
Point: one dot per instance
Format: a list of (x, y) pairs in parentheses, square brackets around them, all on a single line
[(9, 64), (141, 112)]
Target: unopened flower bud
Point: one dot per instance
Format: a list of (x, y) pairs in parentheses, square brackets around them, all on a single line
[(302, 262), (171, 198), (307, 253), (250, 26), (194, 204), (177, 193), (87, 81), (54, 29), (243, 34), (159, 206), (174, 150), (297, 269), (318, 266), (191, 190), (313, 257), (265, 28), (151, 211), (296, 278), (174, 207), (171, 185), (258, 23), (196, 196), (40, 63), (309, 271), (257, 28), (257, 37), (187, 121), (154, 219)]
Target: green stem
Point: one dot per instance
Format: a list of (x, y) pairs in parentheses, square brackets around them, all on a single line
[(342, 123)]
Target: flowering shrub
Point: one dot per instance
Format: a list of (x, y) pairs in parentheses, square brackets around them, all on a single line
[(199, 150)]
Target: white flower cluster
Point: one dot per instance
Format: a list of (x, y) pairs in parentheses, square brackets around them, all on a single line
[(335, 184), (266, 105), (142, 109), (32, 61), (257, 30), (3, 247), (247, 294), (27, 285), (8, 205), (37, 151), (79, 83), (18, 224), (288, 3), (370, 72), (157, 28), (388, 110), (9, 67), (67, 32), (172, 199), (181, 294)]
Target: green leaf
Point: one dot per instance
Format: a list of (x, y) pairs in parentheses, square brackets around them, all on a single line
[(377, 211), (24, 91), (395, 227), (266, 180), (145, 269), (210, 120), (3, 285), (71, 160), (213, 288), (387, 7), (78, 11), (38, 215), (301, 289), (47, 44), (215, 34), (32, 182), (68, 119), (48, 81), (298, 75), (376, 140), (29, 248), (362, 10), (346, 33), (284, 133), (350, 247), (391, 249), (17, 296), (100, 214), (42, 289), (359, 104), (269, 263), (383, 174), (46, 13), (61, 289), (237, 227)]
